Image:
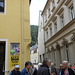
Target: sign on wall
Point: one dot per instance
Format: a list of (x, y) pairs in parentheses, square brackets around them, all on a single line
[(15, 54)]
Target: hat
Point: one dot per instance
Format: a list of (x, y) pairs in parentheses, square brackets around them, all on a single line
[(17, 66), (61, 65), (39, 64)]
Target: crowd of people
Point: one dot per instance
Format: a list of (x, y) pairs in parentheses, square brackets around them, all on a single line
[(45, 68)]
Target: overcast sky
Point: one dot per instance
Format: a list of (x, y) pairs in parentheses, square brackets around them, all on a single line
[(35, 7)]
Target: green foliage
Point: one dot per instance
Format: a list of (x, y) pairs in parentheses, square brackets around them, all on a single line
[(34, 34)]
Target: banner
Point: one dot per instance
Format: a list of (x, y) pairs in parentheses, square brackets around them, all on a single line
[(14, 54)]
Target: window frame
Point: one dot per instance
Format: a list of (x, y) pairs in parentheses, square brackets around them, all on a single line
[(67, 52), (50, 31), (62, 23), (5, 6), (72, 15), (55, 27)]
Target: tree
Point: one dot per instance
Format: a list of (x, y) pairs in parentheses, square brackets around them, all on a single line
[(34, 34)]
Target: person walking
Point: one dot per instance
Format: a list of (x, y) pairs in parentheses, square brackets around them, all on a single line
[(15, 71), (25, 71), (73, 68), (39, 65), (61, 68), (44, 69), (33, 70), (53, 70), (67, 70), (69, 65)]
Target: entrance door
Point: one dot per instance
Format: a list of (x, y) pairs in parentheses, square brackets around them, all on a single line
[(2, 57)]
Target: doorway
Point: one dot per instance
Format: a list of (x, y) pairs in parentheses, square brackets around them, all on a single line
[(2, 57)]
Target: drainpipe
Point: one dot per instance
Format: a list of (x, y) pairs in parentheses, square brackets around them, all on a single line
[(22, 28)]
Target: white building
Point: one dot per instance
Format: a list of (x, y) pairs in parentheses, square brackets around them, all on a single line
[(57, 31), (34, 54)]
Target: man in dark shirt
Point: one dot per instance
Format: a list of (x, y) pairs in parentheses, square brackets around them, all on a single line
[(15, 71), (44, 69)]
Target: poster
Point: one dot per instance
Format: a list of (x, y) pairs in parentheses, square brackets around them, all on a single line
[(14, 54)]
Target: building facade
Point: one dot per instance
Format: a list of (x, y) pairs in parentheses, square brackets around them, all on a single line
[(14, 34), (34, 54), (59, 31)]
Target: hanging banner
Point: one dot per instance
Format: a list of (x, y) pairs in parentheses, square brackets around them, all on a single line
[(14, 54)]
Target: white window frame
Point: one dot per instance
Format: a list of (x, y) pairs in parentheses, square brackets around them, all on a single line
[(5, 6), (61, 19), (53, 3), (47, 34), (72, 16), (50, 31), (48, 11), (55, 24), (6, 55), (67, 53)]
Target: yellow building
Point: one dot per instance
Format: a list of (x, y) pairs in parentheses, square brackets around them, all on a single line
[(14, 34)]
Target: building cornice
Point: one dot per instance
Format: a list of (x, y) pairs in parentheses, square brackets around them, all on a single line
[(45, 7)]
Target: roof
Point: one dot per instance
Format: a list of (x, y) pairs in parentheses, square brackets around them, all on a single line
[(45, 7)]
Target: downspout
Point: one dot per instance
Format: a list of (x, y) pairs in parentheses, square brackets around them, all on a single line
[(22, 29)]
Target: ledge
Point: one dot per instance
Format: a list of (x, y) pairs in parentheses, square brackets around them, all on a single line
[(67, 2), (60, 11), (45, 21), (49, 15), (58, 1), (55, 17), (53, 9)]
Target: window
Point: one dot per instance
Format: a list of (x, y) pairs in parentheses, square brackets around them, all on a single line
[(47, 34), (67, 52), (53, 3), (55, 25), (72, 12), (54, 56), (46, 17), (51, 31), (48, 11), (2, 5), (62, 20), (58, 1)]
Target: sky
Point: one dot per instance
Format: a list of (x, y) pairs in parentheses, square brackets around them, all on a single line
[(35, 7)]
